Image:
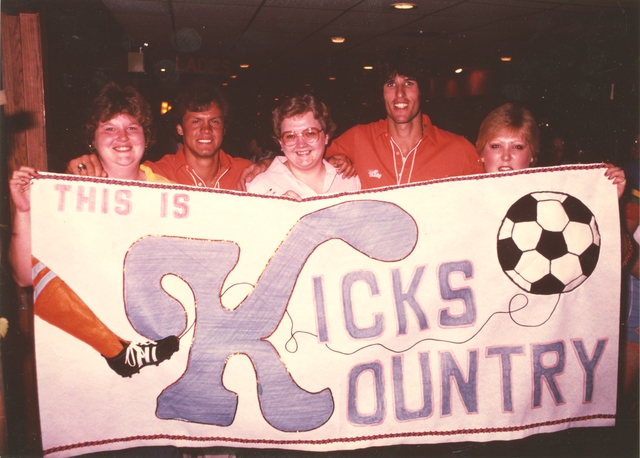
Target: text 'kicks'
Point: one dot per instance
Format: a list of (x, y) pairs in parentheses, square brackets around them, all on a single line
[(136, 355)]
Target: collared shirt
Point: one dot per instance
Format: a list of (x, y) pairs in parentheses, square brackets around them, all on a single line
[(175, 168), (378, 162), (278, 179)]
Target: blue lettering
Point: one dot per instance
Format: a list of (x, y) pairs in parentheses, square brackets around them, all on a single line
[(589, 365), (505, 366), (378, 415), (402, 413), (410, 298), (448, 294), (347, 305), (468, 389), (199, 395), (540, 372), (321, 315)]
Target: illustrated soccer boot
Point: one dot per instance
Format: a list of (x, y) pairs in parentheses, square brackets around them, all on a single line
[(136, 355)]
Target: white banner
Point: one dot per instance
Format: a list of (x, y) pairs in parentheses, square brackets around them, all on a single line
[(469, 309)]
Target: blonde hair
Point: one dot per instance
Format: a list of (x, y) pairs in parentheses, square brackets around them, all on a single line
[(513, 119)]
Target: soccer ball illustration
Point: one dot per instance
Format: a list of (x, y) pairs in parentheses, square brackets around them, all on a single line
[(548, 243)]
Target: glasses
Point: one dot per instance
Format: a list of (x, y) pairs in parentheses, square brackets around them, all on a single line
[(310, 135)]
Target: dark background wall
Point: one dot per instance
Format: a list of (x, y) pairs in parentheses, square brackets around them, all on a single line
[(586, 91)]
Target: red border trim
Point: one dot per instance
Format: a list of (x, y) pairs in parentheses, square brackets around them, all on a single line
[(180, 187), (328, 441)]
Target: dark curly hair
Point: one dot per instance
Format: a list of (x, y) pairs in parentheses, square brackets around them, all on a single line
[(299, 105), (113, 100), (405, 62)]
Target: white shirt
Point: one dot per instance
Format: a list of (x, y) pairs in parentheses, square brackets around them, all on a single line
[(278, 179)]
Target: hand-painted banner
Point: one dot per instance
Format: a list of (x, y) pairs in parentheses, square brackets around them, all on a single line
[(477, 308)]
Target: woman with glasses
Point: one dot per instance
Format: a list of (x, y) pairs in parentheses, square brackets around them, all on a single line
[(303, 127)]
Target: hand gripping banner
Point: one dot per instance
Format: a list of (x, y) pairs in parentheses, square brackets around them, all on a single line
[(468, 309)]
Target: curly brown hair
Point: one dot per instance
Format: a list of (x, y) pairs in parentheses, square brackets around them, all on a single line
[(113, 100), (299, 105)]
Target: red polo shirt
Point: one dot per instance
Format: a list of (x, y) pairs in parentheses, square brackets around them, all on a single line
[(175, 168), (440, 154)]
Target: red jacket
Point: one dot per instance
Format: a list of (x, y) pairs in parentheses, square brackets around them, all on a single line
[(440, 154)]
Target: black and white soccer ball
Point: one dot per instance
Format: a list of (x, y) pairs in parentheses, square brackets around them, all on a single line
[(548, 243)]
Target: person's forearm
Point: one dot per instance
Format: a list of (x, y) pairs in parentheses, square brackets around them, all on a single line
[(20, 249)]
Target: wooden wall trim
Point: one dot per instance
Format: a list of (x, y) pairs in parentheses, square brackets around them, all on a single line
[(24, 122), (22, 80)]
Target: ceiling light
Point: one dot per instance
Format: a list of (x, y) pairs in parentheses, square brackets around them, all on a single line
[(337, 39), (244, 65), (368, 67), (458, 70), (505, 59), (233, 76), (332, 78), (225, 84), (403, 6)]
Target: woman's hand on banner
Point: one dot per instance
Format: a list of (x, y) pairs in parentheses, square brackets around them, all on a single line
[(19, 185)]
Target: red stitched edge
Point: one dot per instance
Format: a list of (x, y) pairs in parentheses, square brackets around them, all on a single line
[(328, 441), (180, 187)]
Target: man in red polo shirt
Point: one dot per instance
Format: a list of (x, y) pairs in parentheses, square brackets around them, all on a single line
[(403, 148), (201, 111)]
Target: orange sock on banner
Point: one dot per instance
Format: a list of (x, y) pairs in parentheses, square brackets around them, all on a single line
[(57, 304)]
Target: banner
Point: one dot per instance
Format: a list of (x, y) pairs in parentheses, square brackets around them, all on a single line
[(476, 308)]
